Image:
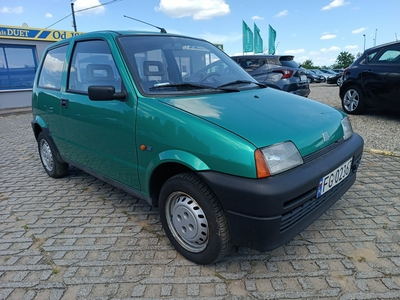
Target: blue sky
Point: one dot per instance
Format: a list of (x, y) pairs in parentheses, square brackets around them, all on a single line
[(310, 29)]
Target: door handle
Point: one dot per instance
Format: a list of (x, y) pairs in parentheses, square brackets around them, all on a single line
[(64, 103)]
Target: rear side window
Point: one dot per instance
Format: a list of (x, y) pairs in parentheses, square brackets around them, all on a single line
[(51, 73), (390, 57), (92, 64)]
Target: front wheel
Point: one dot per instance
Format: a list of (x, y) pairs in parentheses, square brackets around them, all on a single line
[(51, 165), (353, 101), (193, 219)]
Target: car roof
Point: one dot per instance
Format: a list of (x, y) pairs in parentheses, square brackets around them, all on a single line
[(382, 45), (261, 56), (114, 33)]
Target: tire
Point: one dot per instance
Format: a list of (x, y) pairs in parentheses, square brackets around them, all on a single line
[(193, 219), (51, 165), (353, 101)]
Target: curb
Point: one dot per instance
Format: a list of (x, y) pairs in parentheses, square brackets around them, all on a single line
[(383, 152), (14, 111)]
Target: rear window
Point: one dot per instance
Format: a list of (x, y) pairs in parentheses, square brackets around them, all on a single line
[(289, 63)]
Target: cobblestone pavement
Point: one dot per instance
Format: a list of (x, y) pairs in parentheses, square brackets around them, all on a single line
[(79, 238)]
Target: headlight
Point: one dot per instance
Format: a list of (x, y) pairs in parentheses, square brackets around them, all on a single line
[(281, 157), (347, 129)]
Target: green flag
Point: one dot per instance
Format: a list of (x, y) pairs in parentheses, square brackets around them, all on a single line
[(258, 42), (247, 38), (271, 41)]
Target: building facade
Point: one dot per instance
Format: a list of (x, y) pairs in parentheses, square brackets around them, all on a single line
[(20, 51)]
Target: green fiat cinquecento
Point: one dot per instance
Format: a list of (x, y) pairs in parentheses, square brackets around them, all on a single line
[(174, 121)]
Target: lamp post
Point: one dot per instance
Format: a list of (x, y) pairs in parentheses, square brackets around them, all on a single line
[(364, 41), (73, 16)]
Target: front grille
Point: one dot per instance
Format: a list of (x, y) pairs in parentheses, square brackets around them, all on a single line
[(309, 201), (310, 205), (323, 151)]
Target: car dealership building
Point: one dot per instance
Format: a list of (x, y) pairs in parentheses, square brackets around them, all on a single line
[(20, 52)]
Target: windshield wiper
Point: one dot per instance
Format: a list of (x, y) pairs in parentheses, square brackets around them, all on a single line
[(241, 82), (187, 86)]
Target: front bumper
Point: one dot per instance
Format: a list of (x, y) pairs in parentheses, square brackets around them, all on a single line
[(264, 214)]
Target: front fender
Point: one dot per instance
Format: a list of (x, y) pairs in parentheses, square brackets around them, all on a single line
[(184, 158), (165, 165)]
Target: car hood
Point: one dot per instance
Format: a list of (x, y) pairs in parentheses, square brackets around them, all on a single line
[(268, 116)]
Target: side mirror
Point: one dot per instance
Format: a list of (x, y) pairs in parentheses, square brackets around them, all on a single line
[(105, 93)]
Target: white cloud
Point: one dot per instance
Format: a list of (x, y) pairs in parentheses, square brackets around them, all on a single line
[(49, 15), (331, 49), (294, 52), (281, 14), (197, 9), (351, 47), (12, 10), (314, 53), (359, 30), (257, 18), (328, 36), (89, 7), (334, 4)]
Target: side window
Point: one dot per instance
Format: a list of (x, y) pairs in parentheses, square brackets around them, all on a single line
[(17, 67), (390, 57), (369, 58), (92, 64), (51, 72)]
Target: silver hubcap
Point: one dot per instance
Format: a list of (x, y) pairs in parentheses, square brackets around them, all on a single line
[(351, 100), (46, 155), (187, 222)]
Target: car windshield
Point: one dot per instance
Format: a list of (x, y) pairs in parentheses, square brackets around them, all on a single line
[(178, 65)]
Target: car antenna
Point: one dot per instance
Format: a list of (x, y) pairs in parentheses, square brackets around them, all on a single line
[(161, 29)]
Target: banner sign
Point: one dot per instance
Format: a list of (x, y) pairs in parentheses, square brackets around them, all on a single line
[(271, 41), (247, 38), (258, 42), (27, 33)]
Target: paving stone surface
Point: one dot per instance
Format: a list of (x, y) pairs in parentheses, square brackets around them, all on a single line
[(80, 238)]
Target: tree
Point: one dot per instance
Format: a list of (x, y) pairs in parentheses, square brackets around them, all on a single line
[(307, 64), (344, 60)]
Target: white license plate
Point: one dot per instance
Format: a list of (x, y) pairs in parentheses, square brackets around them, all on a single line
[(334, 178), (303, 78)]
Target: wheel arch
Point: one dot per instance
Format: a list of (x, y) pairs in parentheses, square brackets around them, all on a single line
[(346, 85), (39, 127), (167, 164), (161, 174)]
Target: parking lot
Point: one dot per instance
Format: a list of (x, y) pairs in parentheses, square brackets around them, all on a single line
[(80, 238)]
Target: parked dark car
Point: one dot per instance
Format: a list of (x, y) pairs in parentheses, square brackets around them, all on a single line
[(319, 72), (373, 80), (334, 78), (314, 77), (338, 70), (277, 71)]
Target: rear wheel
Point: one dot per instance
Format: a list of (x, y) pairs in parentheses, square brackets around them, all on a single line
[(353, 101), (193, 219), (51, 165)]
